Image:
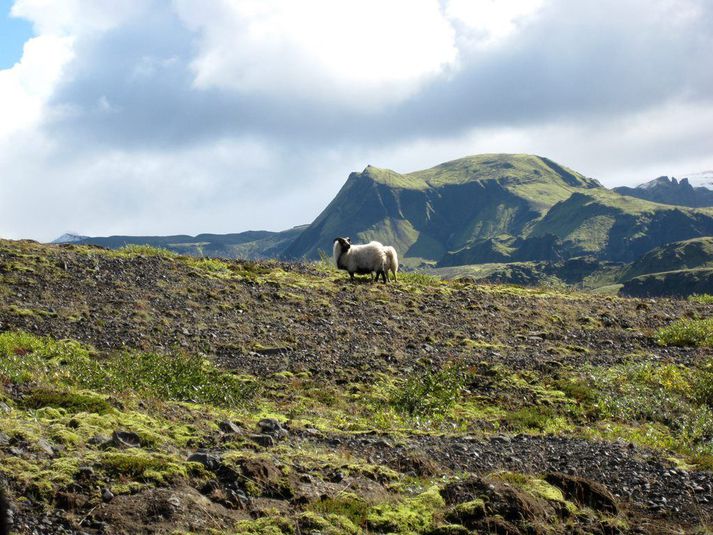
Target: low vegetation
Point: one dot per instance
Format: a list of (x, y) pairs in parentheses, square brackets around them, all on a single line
[(313, 404)]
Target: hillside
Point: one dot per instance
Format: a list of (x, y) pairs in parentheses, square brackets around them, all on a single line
[(253, 244), (670, 191), (146, 392), (496, 208), (427, 213), (676, 256), (484, 209)]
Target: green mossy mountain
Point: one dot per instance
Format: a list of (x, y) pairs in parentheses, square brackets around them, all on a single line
[(496, 208), (689, 254), (455, 205), (524, 216)]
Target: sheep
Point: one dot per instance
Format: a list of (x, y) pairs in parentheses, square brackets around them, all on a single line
[(392, 260), (361, 259)]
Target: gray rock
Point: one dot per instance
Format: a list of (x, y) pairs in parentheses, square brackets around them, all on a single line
[(263, 440), (126, 439), (230, 428), (45, 446), (272, 427), (211, 461), (107, 495), (97, 440)]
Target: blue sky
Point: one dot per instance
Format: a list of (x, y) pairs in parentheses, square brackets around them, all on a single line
[(13, 34), (187, 116)]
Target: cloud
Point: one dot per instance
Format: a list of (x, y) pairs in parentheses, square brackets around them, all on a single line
[(146, 116), (359, 54)]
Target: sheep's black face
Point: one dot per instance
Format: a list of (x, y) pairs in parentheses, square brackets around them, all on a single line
[(344, 243)]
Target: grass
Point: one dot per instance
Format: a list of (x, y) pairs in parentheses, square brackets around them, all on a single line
[(702, 299), (132, 250), (173, 376), (429, 393), (687, 332)]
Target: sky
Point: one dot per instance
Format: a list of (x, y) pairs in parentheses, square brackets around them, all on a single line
[(188, 116)]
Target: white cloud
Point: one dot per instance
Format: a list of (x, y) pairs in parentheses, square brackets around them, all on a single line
[(25, 87), (363, 53), (145, 116), (75, 17), (491, 20)]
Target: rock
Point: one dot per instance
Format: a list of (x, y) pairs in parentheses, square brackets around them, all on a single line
[(126, 439), (230, 428), (584, 492), (263, 440), (107, 495), (272, 427), (45, 447), (85, 472), (4, 407), (211, 461), (97, 440), (4, 439)]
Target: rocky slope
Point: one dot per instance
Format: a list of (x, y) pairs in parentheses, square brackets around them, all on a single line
[(144, 392), (670, 191)]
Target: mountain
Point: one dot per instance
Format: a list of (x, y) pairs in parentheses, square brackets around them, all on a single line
[(681, 283), (455, 205), (70, 238), (253, 244), (496, 208), (703, 179), (689, 254), (671, 191)]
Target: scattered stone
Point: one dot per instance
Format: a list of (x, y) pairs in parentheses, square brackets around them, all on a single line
[(45, 447), (272, 427), (4, 439), (126, 439), (107, 495), (584, 492), (98, 440), (230, 428), (211, 461), (263, 440), (4, 407)]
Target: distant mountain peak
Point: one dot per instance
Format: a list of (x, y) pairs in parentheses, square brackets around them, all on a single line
[(70, 237), (668, 190)]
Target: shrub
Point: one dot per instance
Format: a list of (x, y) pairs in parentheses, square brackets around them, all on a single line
[(703, 299), (431, 392), (685, 332), (171, 377)]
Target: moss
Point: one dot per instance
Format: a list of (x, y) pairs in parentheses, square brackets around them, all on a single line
[(329, 524), (139, 464), (71, 401), (271, 525), (409, 516), (345, 505), (536, 487)]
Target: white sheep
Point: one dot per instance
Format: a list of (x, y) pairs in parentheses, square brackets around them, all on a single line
[(392, 260), (361, 259)]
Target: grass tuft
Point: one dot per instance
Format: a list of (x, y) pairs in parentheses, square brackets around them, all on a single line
[(686, 332)]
